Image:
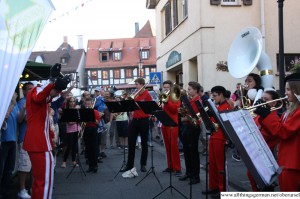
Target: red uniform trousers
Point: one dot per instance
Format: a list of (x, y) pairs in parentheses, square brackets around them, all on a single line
[(289, 180), (216, 164), (42, 172), (170, 136)]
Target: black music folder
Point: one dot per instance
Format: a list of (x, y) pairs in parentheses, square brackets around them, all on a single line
[(205, 117), (148, 106), (121, 106), (164, 118), (78, 115)]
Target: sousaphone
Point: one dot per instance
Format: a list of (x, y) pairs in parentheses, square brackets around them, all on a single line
[(246, 52)]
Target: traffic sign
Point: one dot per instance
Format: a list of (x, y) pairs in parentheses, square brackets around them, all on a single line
[(155, 77)]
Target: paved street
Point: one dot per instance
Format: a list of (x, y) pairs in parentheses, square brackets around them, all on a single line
[(104, 185)]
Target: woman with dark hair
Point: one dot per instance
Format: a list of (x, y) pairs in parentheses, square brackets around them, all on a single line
[(253, 88), (71, 137), (287, 129)]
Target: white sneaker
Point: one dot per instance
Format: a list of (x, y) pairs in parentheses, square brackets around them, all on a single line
[(23, 194), (130, 173)]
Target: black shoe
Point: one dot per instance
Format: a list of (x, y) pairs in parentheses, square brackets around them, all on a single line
[(178, 173), (89, 170), (184, 177), (126, 168), (194, 181), (103, 155), (211, 191), (95, 170), (236, 157), (99, 160), (167, 170), (143, 168)]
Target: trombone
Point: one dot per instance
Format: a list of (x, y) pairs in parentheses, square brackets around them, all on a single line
[(132, 96), (251, 109)]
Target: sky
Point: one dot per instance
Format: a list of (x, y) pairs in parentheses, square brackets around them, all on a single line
[(93, 19)]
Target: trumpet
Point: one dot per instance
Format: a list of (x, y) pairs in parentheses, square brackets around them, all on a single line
[(251, 109)]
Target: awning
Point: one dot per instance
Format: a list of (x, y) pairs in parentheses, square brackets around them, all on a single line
[(35, 71)]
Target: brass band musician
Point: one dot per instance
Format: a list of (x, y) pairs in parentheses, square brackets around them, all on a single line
[(170, 134)]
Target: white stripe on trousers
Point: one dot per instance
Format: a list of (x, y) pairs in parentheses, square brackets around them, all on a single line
[(49, 174)]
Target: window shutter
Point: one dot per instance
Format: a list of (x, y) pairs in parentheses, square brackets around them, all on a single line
[(168, 21), (175, 13), (247, 2), (215, 2)]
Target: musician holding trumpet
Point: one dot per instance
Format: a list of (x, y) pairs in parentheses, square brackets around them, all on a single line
[(272, 98), (170, 134), (287, 129), (191, 136), (139, 124)]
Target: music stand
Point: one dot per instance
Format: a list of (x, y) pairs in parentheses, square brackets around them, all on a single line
[(209, 126), (165, 119), (121, 106), (148, 107), (117, 107), (77, 115), (253, 149)]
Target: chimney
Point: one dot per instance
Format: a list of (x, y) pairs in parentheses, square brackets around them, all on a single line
[(65, 45), (137, 28), (80, 41)]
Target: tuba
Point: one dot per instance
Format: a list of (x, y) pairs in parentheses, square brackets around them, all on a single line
[(246, 52)]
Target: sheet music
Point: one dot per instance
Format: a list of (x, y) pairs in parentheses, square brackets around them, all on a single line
[(253, 142)]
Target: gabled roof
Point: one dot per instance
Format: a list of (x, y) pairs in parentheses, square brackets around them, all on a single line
[(145, 32), (129, 49), (52, 57)]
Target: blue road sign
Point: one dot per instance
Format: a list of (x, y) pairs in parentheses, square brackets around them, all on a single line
[(155, 77)]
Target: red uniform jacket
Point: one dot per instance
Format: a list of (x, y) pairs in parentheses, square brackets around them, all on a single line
[(271, 140), (97, 118), (220, 134), (171, 108), (288, 131), (37, 134), (143, 96)]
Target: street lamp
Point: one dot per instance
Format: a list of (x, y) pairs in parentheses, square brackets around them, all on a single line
[(281, 47), (140, 63)]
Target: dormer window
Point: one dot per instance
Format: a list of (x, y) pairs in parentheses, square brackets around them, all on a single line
[(104, 56), (117, 56), (145, 54), (63, 60)]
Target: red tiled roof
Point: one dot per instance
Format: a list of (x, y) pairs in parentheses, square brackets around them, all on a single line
[(130, 54), (117, 45), (105, 45), (145, 32), (128, 46)]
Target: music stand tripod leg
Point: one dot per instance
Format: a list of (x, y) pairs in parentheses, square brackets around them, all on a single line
[(124, 161), (151, 170), (170, 186), (77, 162)]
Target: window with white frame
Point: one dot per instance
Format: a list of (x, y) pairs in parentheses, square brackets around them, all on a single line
[(145, 54), (230, 2), (117, 56)]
